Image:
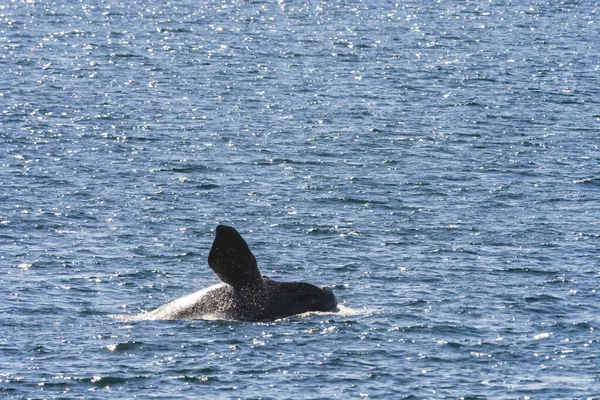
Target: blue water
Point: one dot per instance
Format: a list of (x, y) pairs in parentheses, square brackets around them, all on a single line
[(437, 163)]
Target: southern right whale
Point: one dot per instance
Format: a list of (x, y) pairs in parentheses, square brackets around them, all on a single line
[(244, 294)]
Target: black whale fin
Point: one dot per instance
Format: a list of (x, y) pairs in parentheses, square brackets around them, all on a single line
[(231, 259)]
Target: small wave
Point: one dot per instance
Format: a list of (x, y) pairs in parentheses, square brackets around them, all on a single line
[(124, 346), (588, 181), (340, 310), (350, 311), (102, 381), (128, 317)]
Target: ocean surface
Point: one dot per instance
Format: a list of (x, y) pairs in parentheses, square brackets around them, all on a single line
[(437, 163)]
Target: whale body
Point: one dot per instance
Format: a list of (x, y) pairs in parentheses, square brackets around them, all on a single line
[(244, 293)]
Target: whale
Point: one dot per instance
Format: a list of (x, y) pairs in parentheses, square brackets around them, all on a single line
[(244, 294)]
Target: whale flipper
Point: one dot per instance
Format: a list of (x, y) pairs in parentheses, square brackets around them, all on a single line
[(231, 259)]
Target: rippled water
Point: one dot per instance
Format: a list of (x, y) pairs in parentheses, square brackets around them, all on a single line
[(438, 164)]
